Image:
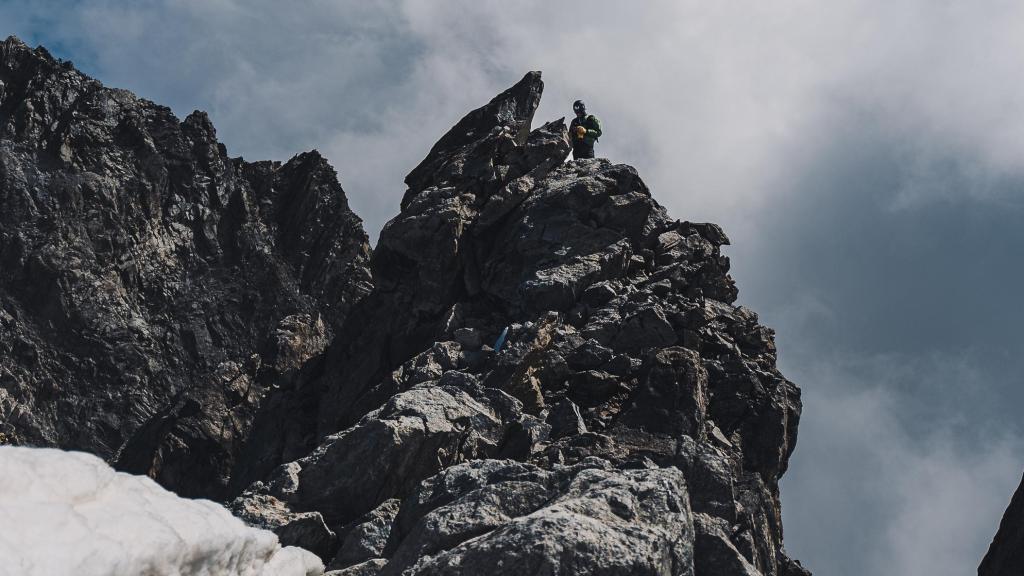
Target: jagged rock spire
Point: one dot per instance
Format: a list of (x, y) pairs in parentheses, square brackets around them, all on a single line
[(511, 110)]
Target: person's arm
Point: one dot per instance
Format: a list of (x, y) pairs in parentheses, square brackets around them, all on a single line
[(594, 130)]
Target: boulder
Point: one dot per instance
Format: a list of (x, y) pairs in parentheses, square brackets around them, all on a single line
[(589, 519)]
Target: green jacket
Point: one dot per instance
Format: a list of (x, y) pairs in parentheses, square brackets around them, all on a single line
[(593, 126)]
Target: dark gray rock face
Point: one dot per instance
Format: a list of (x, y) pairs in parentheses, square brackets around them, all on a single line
[(536, 371), (366, 540), (152, 287), (1005, 555), (550, 376)]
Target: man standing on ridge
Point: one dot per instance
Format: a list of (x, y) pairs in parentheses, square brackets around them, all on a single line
[(584, 130)]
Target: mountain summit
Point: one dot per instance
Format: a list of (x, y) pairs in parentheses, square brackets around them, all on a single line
[(537, 370)]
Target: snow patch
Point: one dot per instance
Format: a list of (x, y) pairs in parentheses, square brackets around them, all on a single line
[(70, 513)]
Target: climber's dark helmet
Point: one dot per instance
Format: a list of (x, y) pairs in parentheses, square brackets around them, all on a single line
[(579, 107)]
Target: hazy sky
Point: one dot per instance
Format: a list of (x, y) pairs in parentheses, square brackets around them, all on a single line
[(866, 158)]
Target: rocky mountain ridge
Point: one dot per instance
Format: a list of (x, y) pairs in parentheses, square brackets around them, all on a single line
[(536, 369), (1005, 556), (152, 286)]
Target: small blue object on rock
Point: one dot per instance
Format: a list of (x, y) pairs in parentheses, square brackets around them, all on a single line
[(501, 340)]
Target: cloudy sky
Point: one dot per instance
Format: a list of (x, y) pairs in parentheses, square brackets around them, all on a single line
[(866, 157)]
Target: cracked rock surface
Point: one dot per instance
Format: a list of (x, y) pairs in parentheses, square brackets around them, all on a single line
[(154, 288), (536, 370)]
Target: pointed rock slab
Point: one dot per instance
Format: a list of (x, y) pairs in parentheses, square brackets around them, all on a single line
[(1005, 555), (368, 537), (511, 110), (565, 420)]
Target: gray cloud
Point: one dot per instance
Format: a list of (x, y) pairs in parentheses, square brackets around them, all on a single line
[(867, 496), (865, 158)]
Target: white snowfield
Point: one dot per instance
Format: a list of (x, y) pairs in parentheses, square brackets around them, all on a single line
[(68, 513)]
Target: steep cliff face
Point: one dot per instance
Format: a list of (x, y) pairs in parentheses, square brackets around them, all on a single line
[(152, 287), (1005, 556), (547, 373)]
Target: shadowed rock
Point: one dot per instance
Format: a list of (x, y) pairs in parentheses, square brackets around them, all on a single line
[(153, 287), (1005, 556)]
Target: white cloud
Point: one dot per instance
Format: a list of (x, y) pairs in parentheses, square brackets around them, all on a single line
[(719, 105), (948, 507), (881, 486)]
